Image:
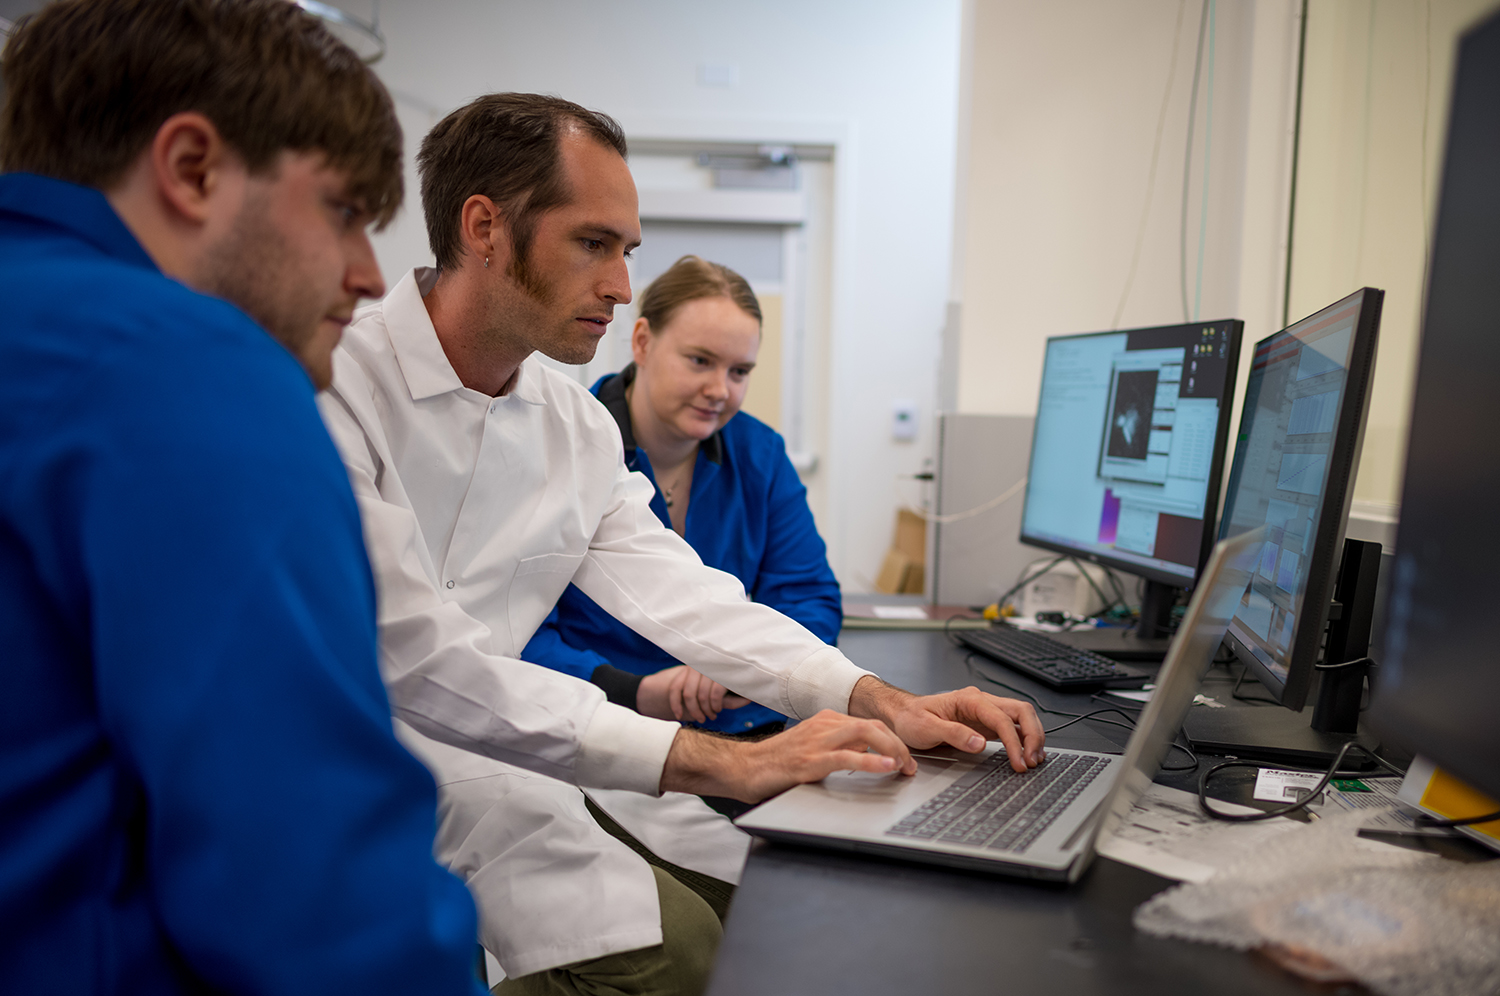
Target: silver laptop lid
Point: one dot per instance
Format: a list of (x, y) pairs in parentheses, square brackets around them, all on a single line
[(1188, 660)]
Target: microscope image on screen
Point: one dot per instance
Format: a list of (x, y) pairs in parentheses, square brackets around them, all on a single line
[(1142, 411), (1129, 437), (1130, 417)]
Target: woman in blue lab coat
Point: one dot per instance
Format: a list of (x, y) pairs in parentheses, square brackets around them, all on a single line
[(723, 482)]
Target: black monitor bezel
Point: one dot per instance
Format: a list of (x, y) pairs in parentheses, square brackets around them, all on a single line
[(1338, 493), (1215, 472), (1443, 550)]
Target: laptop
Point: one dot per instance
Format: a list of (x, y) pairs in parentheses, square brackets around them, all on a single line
[(972, 811)]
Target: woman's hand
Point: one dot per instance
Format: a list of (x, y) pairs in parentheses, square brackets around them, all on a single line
[(682, 693)]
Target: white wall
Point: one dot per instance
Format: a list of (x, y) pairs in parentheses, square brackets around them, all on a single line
[(876, 78)]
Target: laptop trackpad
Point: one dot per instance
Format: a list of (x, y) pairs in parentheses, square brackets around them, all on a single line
[(931, 765)]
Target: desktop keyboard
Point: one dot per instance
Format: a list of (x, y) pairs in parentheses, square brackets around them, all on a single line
[(1000, 809), (1054, 664)]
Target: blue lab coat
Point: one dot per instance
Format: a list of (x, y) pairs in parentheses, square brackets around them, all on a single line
[(199, 786), (747, 515)]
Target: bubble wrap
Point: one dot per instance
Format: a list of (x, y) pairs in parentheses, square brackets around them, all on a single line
[(1404, 923)]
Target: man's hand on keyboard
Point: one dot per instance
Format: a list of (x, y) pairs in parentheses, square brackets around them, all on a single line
[(965, 719)]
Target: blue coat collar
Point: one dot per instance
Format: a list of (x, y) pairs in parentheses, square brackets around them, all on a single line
[(82, 211), (610, 390)]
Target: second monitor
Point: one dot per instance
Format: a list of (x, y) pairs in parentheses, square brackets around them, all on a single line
[(1128, 452)]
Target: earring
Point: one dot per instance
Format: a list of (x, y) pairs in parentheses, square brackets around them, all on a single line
[(486, 262)]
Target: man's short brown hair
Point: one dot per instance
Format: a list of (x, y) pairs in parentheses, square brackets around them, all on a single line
[(504, 146), (89, 82)]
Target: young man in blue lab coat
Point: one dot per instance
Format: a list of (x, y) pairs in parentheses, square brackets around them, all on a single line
[(199, 785), (488, 482)]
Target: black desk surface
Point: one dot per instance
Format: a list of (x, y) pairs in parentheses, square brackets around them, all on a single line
[(809, 921)]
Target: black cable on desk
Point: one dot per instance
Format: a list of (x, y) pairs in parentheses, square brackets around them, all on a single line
[(1076, 717), (1317, 789), (1080, 717)]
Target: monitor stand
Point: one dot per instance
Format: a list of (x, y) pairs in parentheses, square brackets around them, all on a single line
[(1279, 736), (1270, 734), (1146, 641)]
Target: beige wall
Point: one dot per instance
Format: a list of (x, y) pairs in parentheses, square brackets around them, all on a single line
[(1374, 113), (763, 399), (1062, 109)]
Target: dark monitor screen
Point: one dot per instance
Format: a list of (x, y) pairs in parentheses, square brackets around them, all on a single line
[(1295, 456), (1438, 688), (1129, 447)]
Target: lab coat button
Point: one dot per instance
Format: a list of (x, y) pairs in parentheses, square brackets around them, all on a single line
[(450, 584)]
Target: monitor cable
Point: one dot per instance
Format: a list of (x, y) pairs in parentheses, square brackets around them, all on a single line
[(1074, 717), (1028, 579), (1357, 662), (1105, 600), (1316, 790)]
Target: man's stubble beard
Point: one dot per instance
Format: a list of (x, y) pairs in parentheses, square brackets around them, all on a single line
[(539, 296), (252, 269)]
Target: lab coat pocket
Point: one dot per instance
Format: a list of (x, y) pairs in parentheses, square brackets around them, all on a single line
[(539, 582)]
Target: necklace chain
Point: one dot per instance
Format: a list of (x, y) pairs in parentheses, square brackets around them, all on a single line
[(667, 489), (666, 493)]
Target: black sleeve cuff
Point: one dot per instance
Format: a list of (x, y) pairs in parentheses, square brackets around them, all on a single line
[(620, 687)]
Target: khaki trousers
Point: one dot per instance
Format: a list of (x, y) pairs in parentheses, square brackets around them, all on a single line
[(693, 907)]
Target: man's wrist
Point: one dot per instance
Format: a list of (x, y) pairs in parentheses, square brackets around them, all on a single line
[(701, 764), (875, 699)]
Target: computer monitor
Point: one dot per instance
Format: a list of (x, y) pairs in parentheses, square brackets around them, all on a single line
[(1294, 461), (1438, 688), (1128, 452), (1295, 457)]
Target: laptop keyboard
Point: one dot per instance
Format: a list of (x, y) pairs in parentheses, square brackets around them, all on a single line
[(1000, 809), (1049, 661)]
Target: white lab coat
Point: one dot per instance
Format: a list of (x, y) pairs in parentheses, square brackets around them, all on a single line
[(478, 512)]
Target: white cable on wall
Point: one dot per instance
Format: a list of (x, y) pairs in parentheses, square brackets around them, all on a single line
[(969, 513)]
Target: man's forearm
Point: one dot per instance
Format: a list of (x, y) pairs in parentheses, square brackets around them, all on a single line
[(754, 770)]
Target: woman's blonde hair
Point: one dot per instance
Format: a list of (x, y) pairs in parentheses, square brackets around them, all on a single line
[(691, 278)]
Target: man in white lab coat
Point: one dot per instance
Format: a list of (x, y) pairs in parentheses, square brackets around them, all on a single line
[(487, 484)]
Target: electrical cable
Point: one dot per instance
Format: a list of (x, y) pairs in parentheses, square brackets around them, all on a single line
[(1208, 141), (1338, 759), (1187, 165), (1354, 663), (1027, 580), (1161, 121), (969, 513), (1036, 702), (1109, 603), (1090, 715), (1291, 210), (1426, 113), (1076, 717), (1186, 750), (1114, 583)]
